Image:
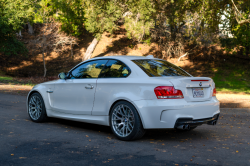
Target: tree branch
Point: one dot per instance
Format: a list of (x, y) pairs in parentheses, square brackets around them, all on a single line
[(241, 22), (186, 53)]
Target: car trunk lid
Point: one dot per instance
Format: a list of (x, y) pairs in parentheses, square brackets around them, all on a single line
[(194, 88)]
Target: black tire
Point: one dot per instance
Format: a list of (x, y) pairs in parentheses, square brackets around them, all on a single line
[(41, 115), (137, 132)]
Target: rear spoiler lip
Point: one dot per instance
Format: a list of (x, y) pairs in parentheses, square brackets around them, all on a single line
[(200, 80)]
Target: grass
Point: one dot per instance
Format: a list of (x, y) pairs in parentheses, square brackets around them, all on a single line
[(9, 80), (233, 79), (14, 82), (4, 78), (27, 84)]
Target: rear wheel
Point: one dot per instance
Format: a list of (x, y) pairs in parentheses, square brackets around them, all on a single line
[(36, 108), (125, 122)]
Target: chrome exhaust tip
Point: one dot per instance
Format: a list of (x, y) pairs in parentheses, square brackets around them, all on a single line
[(213, 122), (181, 127), (187, 127)]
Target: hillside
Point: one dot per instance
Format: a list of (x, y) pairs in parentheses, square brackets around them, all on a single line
[(231, 74)]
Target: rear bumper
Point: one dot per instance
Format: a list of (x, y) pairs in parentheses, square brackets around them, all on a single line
[(197, 122), (160, 114)]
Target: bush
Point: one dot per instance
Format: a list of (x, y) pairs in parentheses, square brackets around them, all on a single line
[(9, 45)]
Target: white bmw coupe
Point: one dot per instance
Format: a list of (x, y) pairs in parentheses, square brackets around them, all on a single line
[(128, 93)]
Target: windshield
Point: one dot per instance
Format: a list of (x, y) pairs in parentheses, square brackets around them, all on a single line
[(159, 68)]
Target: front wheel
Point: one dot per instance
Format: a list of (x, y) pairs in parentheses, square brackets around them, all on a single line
[(36, 108), (125, 122)]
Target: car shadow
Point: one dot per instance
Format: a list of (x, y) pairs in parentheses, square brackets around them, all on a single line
[(81, 125), (173, 135), (152, 134)]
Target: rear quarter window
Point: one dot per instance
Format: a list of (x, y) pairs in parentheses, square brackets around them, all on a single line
[(160, 68)]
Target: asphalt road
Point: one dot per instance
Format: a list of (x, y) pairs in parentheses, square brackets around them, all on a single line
[(62, 142)]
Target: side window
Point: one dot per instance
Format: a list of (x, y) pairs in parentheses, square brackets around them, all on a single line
[(115, 69), (88, 70)]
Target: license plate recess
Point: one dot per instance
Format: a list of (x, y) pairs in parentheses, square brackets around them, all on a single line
[(198, 92)]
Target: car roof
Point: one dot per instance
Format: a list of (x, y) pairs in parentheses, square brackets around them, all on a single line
[(130, 57)]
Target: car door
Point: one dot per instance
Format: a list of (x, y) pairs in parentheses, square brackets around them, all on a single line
[(110, 84), (75, 95)]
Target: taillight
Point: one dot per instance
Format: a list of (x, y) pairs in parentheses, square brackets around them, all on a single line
[(168, 92), (214, 91)]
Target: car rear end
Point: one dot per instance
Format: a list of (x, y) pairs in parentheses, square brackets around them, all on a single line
[(180, 100)]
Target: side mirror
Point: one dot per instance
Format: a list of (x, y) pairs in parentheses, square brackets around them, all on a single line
[(62, 75)]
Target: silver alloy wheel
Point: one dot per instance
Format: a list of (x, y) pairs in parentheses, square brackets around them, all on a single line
[(122, 120), (35, 107)]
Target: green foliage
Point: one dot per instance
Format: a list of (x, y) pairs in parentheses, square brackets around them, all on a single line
[(101, 16), (11, 20), (140, 19), (11, 46), (16, 12), (242, 37), (70, 13), (240, 32), (174, 20), (147, 41)]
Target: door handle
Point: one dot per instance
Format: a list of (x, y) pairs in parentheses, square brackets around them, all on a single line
[(49, 91), (89, 87)]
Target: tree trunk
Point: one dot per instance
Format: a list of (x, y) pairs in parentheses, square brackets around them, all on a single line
[(20, 33), (44, 65), (71, 49), (248, 42), (44, 44), (90, 50), (30, 29)]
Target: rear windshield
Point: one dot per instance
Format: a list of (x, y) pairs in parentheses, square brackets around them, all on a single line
[(159, 68)]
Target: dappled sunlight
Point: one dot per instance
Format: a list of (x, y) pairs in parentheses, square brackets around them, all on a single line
[(32, 64), (234, 100), (15, 89), (38, 58), (119, 44)]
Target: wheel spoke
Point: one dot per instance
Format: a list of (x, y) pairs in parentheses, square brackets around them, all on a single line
[(127, 111), (129, 129), (120, 111), (35, 100), (31, 107), (120, 124), (130, 124), (123, 110), (33, 112), (123, 131), (117, 116), (120, 128), (32, 101)]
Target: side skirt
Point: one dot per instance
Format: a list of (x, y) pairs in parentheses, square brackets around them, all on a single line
[(100, 120)]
